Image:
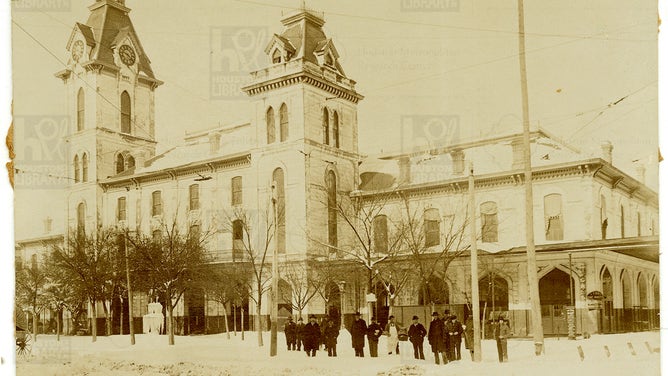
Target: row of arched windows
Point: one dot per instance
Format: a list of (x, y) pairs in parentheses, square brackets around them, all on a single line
[(125, 110), (282, 122), (80, 168), (622, 221), (124, 162)]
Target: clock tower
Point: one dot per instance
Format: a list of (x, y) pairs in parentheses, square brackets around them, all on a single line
[(111, 91), (305, 123)]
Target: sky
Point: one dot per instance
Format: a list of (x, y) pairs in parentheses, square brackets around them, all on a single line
[(460, 62)]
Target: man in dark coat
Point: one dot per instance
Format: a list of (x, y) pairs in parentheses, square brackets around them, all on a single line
[(456, 338), (331, 333), (416, 334), (290, 334), (448, 334), (311, 335), (357, 331), (436, 338), (299, 333), (501, 333), (374, 331), (468, 334)]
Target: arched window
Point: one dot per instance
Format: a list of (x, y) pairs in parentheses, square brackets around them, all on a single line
[(642, 290), (131, 162), (271, 127), (639, 223), (604, 218), (237, 240), (81, 219), (276, 56), (332, 227), (126, 113), (84, 168), (434, 291), (554, 221), (325, 126), (621, 220), (380, 233), (432, 227), (77, 171), (81, 110), (279, 184), (335, 129), (121, 212), (120, 163), (490, 222), (283, 119)]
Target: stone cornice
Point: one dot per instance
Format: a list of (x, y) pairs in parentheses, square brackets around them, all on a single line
[(303, 77), (191, 169)]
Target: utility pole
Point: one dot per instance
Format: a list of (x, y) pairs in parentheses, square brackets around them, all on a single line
[(532, 272), (127, 275), (274, 279), (475, 294)]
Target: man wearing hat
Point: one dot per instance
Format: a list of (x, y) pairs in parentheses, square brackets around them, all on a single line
[(290, 334), (311, 336), (357, 331), (299, 333), (436, 337), (416, 333), (373, 332), (456, 338)]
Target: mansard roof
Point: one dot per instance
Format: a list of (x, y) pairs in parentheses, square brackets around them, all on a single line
[(107, 25)]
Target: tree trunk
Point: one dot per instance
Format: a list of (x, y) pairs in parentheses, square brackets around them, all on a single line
[(35, 317), (227, 327), (58, 313), (234, 316), (107, 318), (121, 320), (94, 321), (258, 321), (243, 329), (170, 319)]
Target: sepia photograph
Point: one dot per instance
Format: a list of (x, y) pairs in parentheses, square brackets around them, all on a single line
[(310, 187)]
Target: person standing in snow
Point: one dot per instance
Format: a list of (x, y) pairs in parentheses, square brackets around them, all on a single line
[(374, 331), (311, 336), (468, 334), (357, 332), (448, 332), (416, 333), (392, 332), (331, 333), (456, 338), (501, 333), (436, 338), (290, 334), (299, 331)]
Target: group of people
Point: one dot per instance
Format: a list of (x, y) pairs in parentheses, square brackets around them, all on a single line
[(444, 336)]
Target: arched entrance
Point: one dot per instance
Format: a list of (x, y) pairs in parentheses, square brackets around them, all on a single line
[(284, 299), (555, 295), (493, 295), (608, 313), (641, 315), (382, 306), (625, 315), (333, 303), (654, 313)]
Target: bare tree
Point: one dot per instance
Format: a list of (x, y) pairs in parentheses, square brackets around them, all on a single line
[(87, 264), (225, 285), (170, 263), (253, 235), (431, 247), (31, 284)]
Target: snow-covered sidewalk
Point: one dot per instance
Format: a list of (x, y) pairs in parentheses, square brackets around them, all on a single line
[(217, 355)]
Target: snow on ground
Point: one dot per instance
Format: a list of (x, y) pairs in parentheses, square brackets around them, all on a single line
[(217, 355)]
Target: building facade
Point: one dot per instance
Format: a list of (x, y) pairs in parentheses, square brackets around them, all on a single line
[(596, 227)]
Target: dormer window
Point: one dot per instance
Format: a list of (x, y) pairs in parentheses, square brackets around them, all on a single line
[(329, 60), (276, 57)]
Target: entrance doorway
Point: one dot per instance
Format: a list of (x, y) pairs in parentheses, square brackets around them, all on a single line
[(555, 295)]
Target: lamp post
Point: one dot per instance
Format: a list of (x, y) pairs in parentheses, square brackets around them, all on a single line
[(274, 278), (475, 294), (342, 289)]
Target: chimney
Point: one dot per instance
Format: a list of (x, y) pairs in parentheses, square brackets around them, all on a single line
[(606, 151), (457, 157), (404, 170), (518, 153), (640, 173)]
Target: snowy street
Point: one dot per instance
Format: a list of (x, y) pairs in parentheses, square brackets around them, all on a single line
[(216, 355)]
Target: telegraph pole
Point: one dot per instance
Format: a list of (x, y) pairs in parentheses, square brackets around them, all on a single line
[(532, 272), (274, 279), (475, 294)]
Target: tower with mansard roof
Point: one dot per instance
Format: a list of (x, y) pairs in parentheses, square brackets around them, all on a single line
[(111, 94)]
